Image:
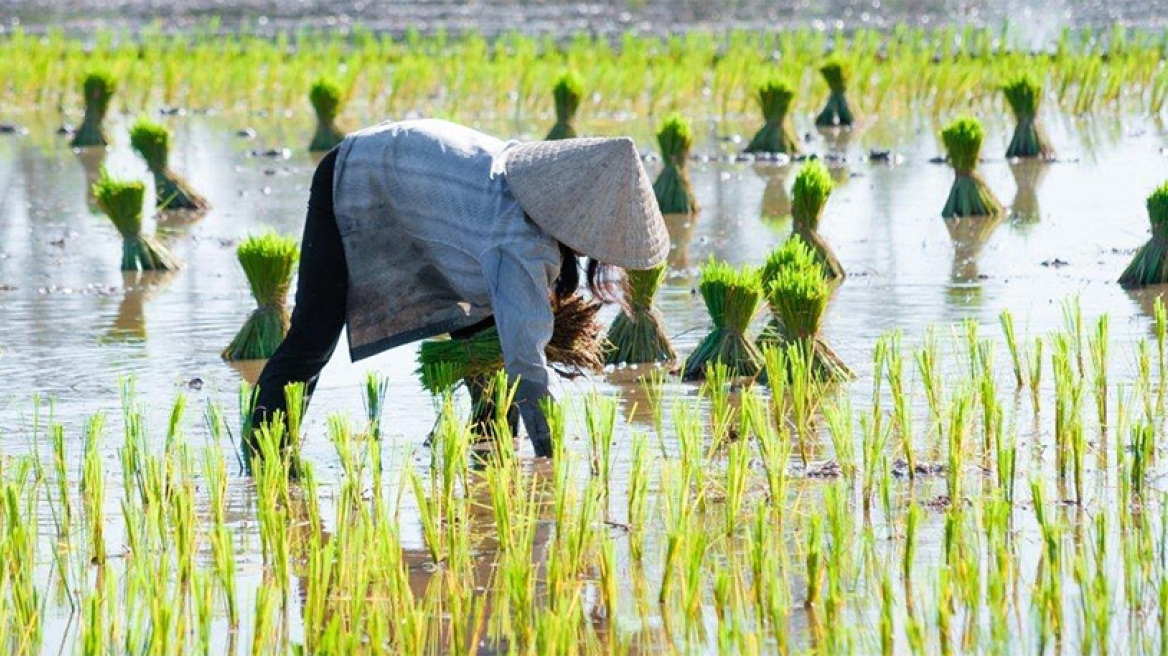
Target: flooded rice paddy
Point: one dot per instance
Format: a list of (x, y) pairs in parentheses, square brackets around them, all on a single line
[(72, 328)]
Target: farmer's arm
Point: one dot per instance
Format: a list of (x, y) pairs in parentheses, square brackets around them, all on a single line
[(523, 315)]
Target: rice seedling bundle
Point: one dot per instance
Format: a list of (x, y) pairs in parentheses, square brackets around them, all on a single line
[(837, 112), (637, 334), (733, 297), (121, 201), (673, 188), (325, 96), (575, 348), (98, 88), (777, 135), (1024, 94), (268, 261), (969, 196), (171, 191), (809, 196), (568, 91), (1150, 264)]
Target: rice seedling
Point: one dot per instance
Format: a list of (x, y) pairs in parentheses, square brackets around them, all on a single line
[(1024, 94), (813, 185), (777, 135), (798, 298), (122, 202), (672, 187), (376, 389), (637, 334), (733, 298), (969, 196), (568, 91), (327, 99), (837, 112), (268, 260), (97, 89), (1150, 264), (171, 192)]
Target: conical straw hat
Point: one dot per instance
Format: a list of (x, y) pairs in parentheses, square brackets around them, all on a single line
[(593, 195)]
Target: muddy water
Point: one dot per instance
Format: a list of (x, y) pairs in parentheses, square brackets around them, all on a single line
[(71, 324)]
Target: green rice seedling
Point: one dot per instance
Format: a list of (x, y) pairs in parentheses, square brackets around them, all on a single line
[(673, 188), (97, 88), (376, 389), (774, 450), (837, 112), (1160, 329), (798, 298), (171, 192), (874, 435), (568, 91), (813, 186), (93, 496), (327, 99), (969, 196), (737, 480), (637, 334), (716, 388), (638, 496), (600, 418), (733, 297), (268, 260), (1150, 264), (122, 202), (1097, 344), (839, 424), (813, 558), (1024, 94), (777, 135), (901, 402), (1034, 373), (1006, 319), (653, 385)]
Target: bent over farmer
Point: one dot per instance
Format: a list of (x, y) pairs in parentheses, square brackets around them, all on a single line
[(419, 228)]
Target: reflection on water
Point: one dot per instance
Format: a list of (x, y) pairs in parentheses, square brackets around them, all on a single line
[(137, 287), (92, 160), (776, 200), (1028, 176)]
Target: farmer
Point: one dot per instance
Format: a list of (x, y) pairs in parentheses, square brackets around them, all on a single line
[(420, 228)]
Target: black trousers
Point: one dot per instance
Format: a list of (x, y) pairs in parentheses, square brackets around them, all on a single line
[(320, 312)]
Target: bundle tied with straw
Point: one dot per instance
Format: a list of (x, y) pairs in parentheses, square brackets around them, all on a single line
[(121, 201), (325, 96), (969, 196), (837, 112), (733, 298), (98, 88), (673, 188), (268, 261), (777, 135), (1150, 264), (1024, 93), (171, 191), (809, 196), (797, 294), (637, 335), (568, 91), (576, 347)]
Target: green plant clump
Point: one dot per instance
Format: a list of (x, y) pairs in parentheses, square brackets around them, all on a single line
[(97, 88), (568, 91), (171, 191), (809, 196), (326, 99), (268, 261), (122, 201), (777, 135), (733, 298), (1024, 93), (969, 196), (837, 112), (1150, 264), (637, 335), (673, 188)]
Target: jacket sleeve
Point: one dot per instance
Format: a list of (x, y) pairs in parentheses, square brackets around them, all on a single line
[(518, 288)]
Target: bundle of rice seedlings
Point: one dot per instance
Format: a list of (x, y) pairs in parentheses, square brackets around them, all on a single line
[(568, 91), (325, 96), (673, 189), (733, 298), (575, 348), (837, 112), (1024, 93), (121, 201), (637, 334), (1150, 264), (171, 191), (970, 196), (777, 135), (813, 185), (268, 261), (98, 87)]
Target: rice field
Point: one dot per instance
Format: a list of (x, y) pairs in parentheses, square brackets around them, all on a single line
[(992, 480)]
